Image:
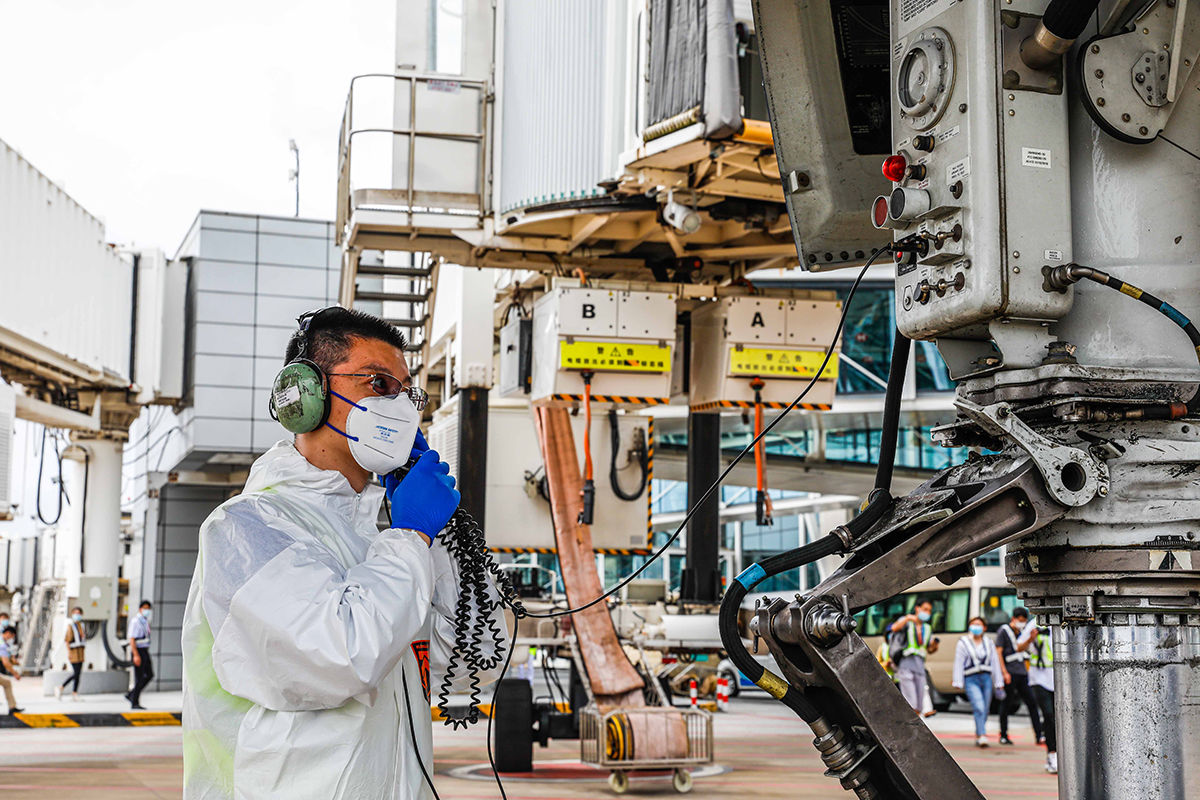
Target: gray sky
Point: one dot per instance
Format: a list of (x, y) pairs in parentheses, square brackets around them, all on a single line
[(146, 111)]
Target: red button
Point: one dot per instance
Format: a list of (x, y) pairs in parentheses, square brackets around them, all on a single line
[(893, 168), (880, 212)]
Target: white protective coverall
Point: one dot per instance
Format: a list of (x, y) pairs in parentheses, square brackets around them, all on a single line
[(302, 624)]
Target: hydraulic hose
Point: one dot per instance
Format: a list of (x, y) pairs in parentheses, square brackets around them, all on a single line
[(639, 450), (1059, 278), (1066, 19), (119, 663), (901, 349), (750, 577), (1061, 25)]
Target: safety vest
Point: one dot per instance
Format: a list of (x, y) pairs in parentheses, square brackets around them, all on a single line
[(917, 643), (1043, 656), (1016, 656), (977, 665), (884, 657)]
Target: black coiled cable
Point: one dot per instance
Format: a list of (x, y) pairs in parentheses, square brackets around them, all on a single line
[(464, 541)]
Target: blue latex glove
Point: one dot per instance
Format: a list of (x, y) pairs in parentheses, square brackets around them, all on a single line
[(419, 445), (426, 499)]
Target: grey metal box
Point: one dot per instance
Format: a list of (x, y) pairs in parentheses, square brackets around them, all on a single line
[(995, 164)]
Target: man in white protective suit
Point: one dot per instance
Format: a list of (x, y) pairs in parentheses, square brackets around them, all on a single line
[(310, 635)]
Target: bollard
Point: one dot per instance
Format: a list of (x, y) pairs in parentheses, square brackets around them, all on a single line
[(722, 694), (692, 691)]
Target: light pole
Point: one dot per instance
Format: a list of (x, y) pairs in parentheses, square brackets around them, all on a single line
[(294, 174)]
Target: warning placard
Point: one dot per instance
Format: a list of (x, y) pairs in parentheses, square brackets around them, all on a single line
[(779, 363), (614, 357)]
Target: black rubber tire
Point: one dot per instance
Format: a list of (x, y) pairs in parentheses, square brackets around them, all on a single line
[(513, 726)]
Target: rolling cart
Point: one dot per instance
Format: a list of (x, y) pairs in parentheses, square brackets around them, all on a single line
[(606, 740)]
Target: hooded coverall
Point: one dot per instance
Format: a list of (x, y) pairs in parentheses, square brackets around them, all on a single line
[(303, 624)]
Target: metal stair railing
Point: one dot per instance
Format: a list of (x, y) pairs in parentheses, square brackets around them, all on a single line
[(412, 200)]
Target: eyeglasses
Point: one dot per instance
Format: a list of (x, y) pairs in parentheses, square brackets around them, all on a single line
[(390, 386)]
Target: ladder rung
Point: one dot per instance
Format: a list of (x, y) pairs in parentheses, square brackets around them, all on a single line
[(407, 323), (394, 272), (397, 297)]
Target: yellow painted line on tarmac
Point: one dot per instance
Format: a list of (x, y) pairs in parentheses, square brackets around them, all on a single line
[(150, 718), (47, 720)]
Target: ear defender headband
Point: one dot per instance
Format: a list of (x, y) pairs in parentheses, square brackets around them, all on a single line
[(300, 395)]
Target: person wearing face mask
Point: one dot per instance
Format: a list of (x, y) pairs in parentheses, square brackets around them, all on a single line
[(1013, 651), (977, 672), (912, 642), (310, 636), (139, 651), (76, 644), (8, 667)]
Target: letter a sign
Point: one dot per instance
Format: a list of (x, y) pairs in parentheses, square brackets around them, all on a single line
[(757, 322)]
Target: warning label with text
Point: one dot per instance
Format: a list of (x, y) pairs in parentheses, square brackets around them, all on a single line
[(614, 357)]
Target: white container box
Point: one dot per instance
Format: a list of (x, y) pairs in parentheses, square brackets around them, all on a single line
[(779, 338), (624, 338)]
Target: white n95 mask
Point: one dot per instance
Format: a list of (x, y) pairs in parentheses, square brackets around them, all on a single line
[(381, 431)]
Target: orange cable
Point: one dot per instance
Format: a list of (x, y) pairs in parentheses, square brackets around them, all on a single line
[(587, 427)]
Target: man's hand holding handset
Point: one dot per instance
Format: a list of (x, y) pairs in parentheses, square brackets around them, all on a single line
[(424, 499)]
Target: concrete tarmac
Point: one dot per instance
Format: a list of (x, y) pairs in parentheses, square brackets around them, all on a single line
[(766, 752)]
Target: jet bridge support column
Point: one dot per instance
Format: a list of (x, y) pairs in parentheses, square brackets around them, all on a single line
[(701, 580)]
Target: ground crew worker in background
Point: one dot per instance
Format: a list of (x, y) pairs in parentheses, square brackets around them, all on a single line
[(1041, 682), (7, 668), (139, 650), (76, 645), (918, 645), (977, 672), (1012, 649), (311, 638)]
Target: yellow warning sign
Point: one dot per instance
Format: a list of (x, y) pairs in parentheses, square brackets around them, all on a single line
[(614, 357), (772, 363)]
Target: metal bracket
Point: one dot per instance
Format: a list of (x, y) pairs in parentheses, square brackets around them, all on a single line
[(1132, 79), (1073, 476)]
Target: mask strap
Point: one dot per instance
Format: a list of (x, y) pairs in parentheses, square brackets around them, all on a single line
[(343, 433), (351, 402)]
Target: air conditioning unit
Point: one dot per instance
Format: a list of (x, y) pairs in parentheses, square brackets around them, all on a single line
[(8, 416)]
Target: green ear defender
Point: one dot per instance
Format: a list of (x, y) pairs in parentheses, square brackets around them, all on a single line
[(299, 399), (300, 394)]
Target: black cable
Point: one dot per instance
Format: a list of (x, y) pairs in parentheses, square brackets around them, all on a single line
[(901, 348), (464, 541), (737, 459), (412, 730), (492, 715), (38, 499), (639, 450), (87, 469)]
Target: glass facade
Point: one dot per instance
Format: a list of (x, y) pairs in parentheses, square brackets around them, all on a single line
[(867, 345)]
